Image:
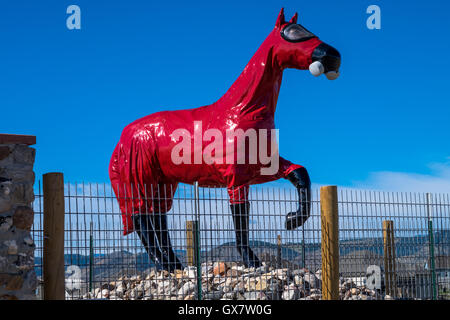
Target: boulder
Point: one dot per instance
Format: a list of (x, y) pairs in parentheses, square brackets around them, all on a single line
[(291, 292), (254, 295), (187, 289), (219, 268), (213, 295), (311, 279)]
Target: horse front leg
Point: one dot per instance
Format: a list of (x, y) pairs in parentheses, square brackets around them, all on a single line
[(240, 209), (240, 212), (300, 179)]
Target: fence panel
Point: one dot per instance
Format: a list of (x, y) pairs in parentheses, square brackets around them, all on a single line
[(101, 263)]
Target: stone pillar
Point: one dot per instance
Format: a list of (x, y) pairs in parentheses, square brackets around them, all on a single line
[(17, 275)]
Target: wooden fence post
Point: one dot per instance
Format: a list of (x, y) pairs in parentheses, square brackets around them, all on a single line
[(54, 286), (389, 258), (190, 242), (192, 245), (330, 242)]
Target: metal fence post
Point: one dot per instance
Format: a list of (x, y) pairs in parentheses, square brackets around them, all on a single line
[(91, 257), (330, 242), (197, 241), (431, 244), (53, 267), (389, 258)]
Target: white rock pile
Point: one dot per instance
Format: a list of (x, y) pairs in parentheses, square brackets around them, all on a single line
[(227, 281)]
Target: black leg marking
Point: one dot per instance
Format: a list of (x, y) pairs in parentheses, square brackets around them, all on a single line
[(162, 233), (300, 179), (240, 213)]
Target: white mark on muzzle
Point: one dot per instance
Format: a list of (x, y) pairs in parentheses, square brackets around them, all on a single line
[(316, 68)]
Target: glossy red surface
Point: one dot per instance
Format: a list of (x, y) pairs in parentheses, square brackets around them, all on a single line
[(141, 166)]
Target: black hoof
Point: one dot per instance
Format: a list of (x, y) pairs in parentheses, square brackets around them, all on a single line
[(295, 220), (254, 263)]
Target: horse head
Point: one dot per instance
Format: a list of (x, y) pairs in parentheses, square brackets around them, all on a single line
[(294, 46)]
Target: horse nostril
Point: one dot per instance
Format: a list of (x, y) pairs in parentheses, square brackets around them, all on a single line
[(332, 75), (328, 56)]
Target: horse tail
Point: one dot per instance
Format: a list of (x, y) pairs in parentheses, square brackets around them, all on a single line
[(118, 185)]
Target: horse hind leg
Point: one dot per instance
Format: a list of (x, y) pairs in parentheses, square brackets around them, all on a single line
[(144, 227), (159, 203), (170, 260)]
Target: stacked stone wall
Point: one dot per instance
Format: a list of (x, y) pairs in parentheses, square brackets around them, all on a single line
[(17, 275)]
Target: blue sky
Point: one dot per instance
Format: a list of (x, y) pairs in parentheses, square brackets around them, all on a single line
[(383, 123)]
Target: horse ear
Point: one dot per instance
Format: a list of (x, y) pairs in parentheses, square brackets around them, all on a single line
[(280, 20), (294, 18)]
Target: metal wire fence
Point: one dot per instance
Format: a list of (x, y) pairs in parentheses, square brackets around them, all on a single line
[(101, 263)]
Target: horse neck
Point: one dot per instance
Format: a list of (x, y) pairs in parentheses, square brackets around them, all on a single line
[(256, 90)]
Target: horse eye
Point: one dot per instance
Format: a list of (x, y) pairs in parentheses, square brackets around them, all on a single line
[(296, 33)]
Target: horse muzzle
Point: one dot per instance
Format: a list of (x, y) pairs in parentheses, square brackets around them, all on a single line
[(325, 59)]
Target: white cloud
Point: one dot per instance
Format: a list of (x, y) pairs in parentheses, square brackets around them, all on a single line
[(438, 181)]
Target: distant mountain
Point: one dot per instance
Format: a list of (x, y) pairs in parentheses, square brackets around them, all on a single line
[(404, 246), (411, 253)]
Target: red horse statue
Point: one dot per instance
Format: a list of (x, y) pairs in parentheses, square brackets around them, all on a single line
[(155, 152)]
